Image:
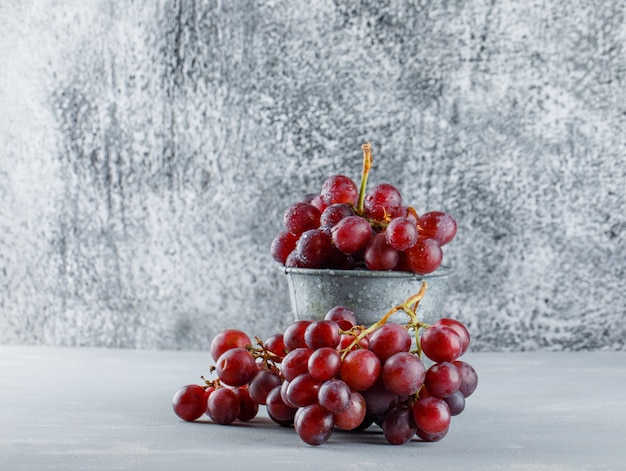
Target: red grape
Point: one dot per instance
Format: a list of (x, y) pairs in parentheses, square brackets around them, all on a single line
[(401, 233), (403, 373), (314, 424), (339, 189), (437, 225), (313, 248), (360, 369), (302, 390), (190, 402), (460, 329), (431, 414), (324, 363), (293, 336), (333, 214), (388, 339), (322, 333), (442, 379), (227, 339), (441, 343), (276, 345), (398, 426), (283, 244), (223, 406), (264, 381), (301, 217), (278, 411), (424, 257), (236, 367), (248, 407), (353, 415), (296, 363), (344, 317), (351, 234), (469, 378), (456, 403), (379, 255), (334, 395), (383, 202)]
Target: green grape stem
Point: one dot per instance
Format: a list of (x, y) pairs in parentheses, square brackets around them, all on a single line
[(367, 166)]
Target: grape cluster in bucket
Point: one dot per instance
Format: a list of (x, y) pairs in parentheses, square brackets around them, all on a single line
[(345, 227)]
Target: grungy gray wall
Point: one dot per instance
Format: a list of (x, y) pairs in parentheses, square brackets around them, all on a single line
[(149, 149)]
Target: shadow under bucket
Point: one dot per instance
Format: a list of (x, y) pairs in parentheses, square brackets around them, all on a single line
[(369, 294)]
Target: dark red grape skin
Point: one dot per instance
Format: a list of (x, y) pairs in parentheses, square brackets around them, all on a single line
[(403, 373), (401, 233), (442, 379), (460, 329), (301, 217), (344, 317), (323, 333), (437, 225), (379, 255), (360, 369), (313, 248), (469, 377), (431, 415), (296, 363), (424, 257), (283, 244), (293, 335), (248, 407), (353, 415), (333, 214), (324, 363), (227, 339), (389, 339), (264, 381), (383, 202), (456, 403), (314, 424), (190, 402), (236, 367), (351, 234), (338, 189), (278, 411), (398, 426), (441, 343), (223, 406)]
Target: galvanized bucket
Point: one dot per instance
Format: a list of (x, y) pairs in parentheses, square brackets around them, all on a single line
[(369, 294)]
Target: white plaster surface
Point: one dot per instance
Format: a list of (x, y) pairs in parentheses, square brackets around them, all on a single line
[(148, 150)]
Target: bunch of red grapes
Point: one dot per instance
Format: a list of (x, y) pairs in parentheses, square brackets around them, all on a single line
[(345, 227), (322, 375)]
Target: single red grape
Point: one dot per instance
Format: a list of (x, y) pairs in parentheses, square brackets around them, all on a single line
[(460, 329), (424, 257), (431, 414), (389, 339), (441, 343), (334, 395), (278, 411), (437, 225), (442, 379), (313, 248), (223, 406), (301, 217), (323, 333), (303, 390), (383, 202), (360, 369), (314, 424), (344, 317), (293, 335), (469, 377), (398, 426), (283, 244), (324, 363), (190, 402), (379, 255), (403, 373), (333, 214), (296, 363), (351, 234), (339, 189), (264, 381), (401, 233)]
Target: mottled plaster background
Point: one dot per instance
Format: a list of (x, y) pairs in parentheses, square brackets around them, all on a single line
[(149, 149)]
